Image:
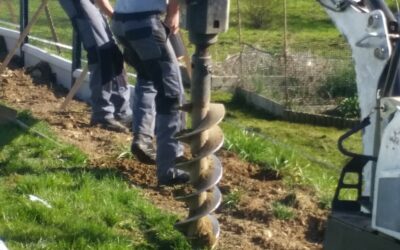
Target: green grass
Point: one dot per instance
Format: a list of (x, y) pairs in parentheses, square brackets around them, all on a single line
[(301, 154), (282, 212), (92, 208), (232, 199)]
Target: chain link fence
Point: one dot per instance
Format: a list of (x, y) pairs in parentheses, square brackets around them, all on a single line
[(291, 53), (299, 80), (52, 30)]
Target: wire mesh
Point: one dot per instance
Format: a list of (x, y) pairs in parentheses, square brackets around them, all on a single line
[(289, 52), (9, 13)]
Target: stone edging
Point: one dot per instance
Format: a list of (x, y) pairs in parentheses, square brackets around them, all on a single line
[(278, 110)]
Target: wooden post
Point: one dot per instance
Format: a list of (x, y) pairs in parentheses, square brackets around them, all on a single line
[(287, 102), (52, 29), (78, 83)]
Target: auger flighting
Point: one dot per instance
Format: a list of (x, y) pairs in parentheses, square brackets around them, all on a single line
[(204, 19)]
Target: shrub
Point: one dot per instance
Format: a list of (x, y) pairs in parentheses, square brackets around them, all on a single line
[(340, 84), (349, 107), (259, 13)]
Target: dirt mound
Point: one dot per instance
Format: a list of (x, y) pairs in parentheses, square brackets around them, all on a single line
[(258, 212)]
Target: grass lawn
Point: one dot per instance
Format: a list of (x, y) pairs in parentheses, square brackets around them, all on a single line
[(91, 208), (302, 154)]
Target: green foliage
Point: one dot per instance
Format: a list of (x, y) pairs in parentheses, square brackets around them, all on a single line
[(246, 144), (325, 202), (341, 83), (124, 152), (280, 160), (232, 199), (349, 108), (253, 148), (282, 212), (259, 13), (300, 154)]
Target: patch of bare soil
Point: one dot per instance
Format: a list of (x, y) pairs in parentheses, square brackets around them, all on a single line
[(247, 219)]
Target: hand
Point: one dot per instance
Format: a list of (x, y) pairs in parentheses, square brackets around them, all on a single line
[(172, 18), (105, 7), (172, 23)]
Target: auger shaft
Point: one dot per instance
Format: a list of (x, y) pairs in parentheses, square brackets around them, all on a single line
[(205, 19), (205, 138), (200, 97), (201, 87)]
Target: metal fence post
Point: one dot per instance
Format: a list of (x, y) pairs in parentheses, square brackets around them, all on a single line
[(76, 53), (23, 22)]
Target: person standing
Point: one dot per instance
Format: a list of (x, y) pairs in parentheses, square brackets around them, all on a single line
[(110, 98), (144, 108), (138, 27)]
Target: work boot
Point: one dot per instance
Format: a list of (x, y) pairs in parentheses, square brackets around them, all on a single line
[(174, 177), (143, 148), (126, 121), (109, 124)]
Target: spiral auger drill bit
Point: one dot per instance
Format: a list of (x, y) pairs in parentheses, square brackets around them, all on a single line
[(204, 19)]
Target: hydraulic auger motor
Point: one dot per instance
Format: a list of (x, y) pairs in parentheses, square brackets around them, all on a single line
[(204, 19)]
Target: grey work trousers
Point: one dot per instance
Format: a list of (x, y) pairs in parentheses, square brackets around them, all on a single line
[(148, 50), (110, 92)]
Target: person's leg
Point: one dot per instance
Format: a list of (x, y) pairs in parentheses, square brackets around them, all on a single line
[(120, 98), (102, 107), (113, 69), (168, 148), (169, 121), (89, 22), (168, 104), (161, 67), (144, 121), (143, 110), (156, 62)]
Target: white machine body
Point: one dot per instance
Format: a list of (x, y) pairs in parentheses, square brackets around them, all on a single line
[(371, 45), (386, 212)]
